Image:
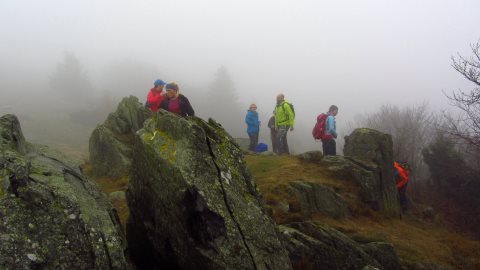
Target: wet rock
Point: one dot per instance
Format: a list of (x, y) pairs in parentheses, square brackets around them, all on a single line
[(193, 204), (316, 198), (311, 156), (51, 216), (373, 151), (384, 254), (111, 143), (315, 246)]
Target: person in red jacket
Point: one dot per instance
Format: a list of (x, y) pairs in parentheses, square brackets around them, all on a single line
[(155, 96), (400, 172)]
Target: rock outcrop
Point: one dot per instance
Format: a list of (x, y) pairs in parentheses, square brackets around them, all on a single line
[(111, 143), (315, 246), (373, 151), (311, 156), (51, 217), (193, 204), (316, 198)]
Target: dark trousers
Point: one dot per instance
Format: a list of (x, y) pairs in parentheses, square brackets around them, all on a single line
[(402, 197), (273, 137), (253, 141), (329, 147), (282, 140)]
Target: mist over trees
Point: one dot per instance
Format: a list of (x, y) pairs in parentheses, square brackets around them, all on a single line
[(467, 126), (70, 81), (222, 104), (412, 128), (129, 77)]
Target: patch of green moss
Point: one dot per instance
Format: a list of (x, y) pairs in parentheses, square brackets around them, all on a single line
[(161, 143)]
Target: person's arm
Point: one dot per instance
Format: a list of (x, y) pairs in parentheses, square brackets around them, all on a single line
[(189, 109), (271, 122), (403, 179), (164, 104), (248, 118), (290, 115), (331, 126)]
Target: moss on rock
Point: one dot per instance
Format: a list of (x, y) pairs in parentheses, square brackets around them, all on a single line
[(190, 173)]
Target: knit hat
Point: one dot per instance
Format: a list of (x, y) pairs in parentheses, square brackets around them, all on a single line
[(158, 82), (172, 86)]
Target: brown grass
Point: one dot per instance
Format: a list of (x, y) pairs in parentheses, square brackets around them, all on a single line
[(414, 239)]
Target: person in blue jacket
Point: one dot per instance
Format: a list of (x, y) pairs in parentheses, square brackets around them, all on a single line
[(253, 126), (329, 144)]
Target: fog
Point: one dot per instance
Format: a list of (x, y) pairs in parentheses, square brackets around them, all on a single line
[(357, 55)]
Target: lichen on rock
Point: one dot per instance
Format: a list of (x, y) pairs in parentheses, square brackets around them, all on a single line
[(193, 204), (52, 216)]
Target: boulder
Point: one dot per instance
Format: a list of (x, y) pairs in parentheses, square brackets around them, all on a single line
[(311, 156), (375, 150), (11, 136), (315, 246), (111, 143), (362, 173), (316, 198), (383, 253), (193, 205), (51, 216)]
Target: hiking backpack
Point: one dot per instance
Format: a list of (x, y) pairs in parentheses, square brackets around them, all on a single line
[(319, 129), (291, 107)]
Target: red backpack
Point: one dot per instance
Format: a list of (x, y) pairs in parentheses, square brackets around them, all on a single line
[(319, 129)]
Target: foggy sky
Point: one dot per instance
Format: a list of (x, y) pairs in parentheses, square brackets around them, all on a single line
[(355, 54)]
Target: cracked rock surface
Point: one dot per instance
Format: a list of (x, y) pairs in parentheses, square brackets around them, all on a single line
[(51, 217), (193, 204)]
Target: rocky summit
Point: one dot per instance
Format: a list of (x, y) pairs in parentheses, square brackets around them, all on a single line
[(51, 217), (111, 143), (193, 205)]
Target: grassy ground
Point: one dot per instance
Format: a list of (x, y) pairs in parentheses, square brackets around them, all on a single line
[(414, 239)]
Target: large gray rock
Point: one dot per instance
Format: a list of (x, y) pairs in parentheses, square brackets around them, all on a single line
[(193, 204), (316, 198), (384, 253), (314, 246), (361, 173), (51, 217), (111, 143), (11, 136), (375, 151), (311, 156)]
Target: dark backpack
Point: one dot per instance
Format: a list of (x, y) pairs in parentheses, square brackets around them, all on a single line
[(291, 107), (319, 129)]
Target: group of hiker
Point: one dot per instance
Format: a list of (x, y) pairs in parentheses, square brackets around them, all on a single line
[(324, 130), (170, 100), (282, 122), (279, 124)]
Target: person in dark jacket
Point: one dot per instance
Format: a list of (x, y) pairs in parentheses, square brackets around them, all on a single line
[(175, 102), (273, 133), (253, 126)]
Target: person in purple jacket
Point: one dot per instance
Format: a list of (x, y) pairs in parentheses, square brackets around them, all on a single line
[(175, 102)]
